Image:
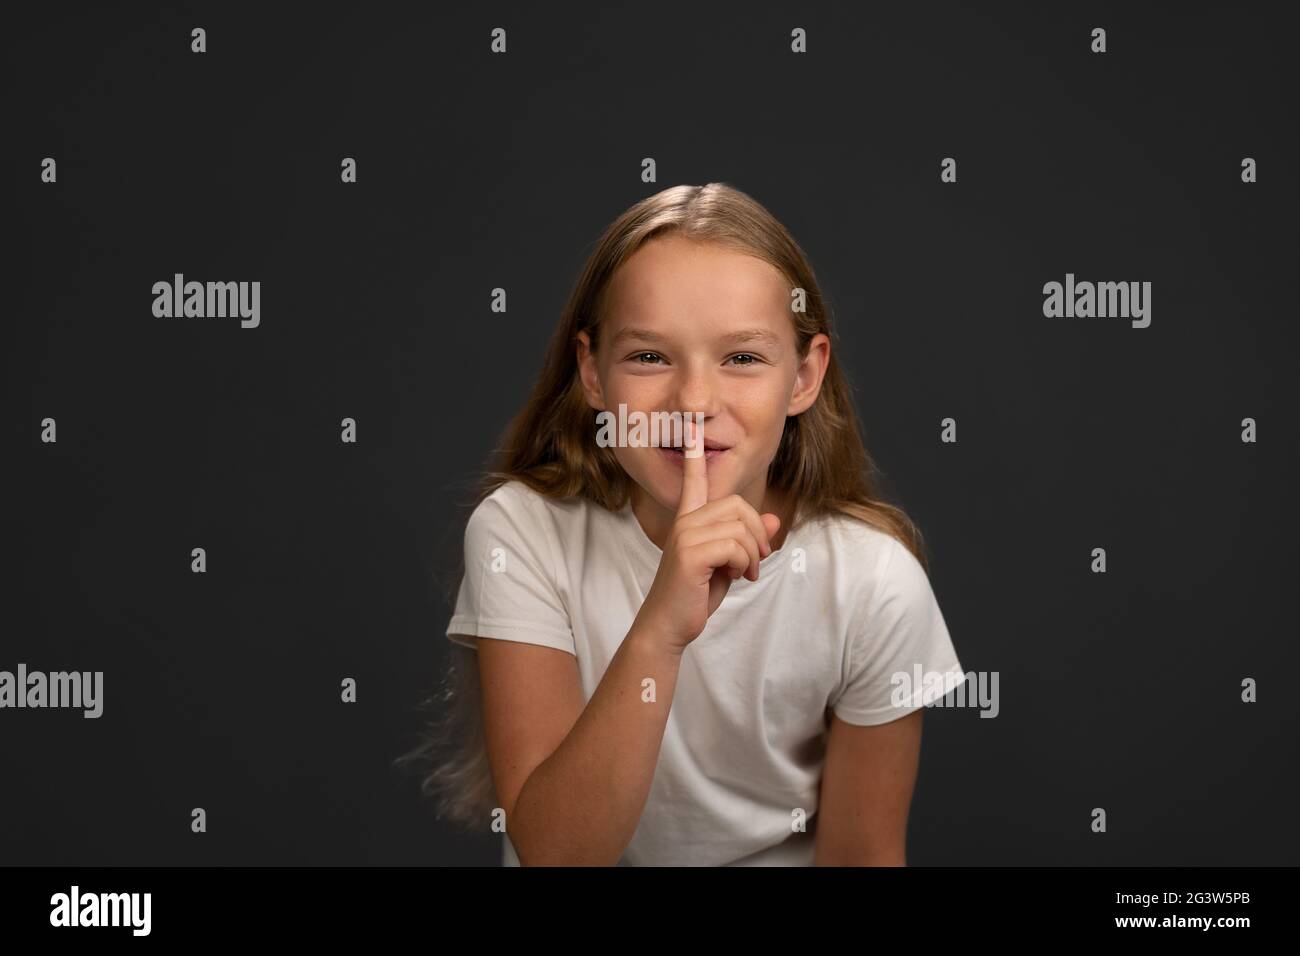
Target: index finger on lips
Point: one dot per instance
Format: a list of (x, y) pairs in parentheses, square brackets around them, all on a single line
[(695, 475)]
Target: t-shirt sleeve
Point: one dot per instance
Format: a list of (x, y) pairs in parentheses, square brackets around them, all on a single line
[(508, 590), (900, 655)]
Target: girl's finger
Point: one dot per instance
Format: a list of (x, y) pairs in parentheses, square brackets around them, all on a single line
[(735, 529), (695, 475)]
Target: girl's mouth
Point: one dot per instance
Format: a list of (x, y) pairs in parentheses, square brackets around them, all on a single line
[(678, 456)]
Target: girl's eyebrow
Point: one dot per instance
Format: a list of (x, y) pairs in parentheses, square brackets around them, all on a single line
[(741, 337), (641, 335), (762, 336)]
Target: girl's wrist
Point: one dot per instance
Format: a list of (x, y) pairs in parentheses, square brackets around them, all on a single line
[(650, 640)]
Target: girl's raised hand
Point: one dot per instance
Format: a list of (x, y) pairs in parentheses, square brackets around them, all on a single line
[(710, 544)]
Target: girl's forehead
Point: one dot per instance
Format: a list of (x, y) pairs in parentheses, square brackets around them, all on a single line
[(691, 263), (666, 284)]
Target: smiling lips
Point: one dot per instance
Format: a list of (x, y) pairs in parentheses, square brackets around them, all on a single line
[(678, 455)]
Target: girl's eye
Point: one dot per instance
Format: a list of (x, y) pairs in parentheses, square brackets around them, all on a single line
[(654, 358)]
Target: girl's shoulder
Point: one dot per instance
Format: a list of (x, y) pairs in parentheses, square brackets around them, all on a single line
[(512, 493), (867, 557), (518, 504), (519, 494), (847, 537)]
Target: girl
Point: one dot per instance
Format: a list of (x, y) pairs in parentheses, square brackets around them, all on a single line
[(690, 658)]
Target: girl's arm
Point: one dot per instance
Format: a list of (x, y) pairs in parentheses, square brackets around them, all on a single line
[(573, 780), (866, 792)]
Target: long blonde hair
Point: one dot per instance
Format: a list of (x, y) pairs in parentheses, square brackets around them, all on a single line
[(821, 463)]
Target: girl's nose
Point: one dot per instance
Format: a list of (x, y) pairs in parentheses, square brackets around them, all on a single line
[(697, 391)]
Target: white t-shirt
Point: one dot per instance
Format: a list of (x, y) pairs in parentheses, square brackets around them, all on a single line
[(836, 611)]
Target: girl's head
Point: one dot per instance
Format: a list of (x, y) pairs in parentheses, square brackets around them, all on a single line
[(705, 329), (697, 299), (689, 302)]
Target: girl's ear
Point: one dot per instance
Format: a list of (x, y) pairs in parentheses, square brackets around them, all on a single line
[(588, 374), (808, 378)]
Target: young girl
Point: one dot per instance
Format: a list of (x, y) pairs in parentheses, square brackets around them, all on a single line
[(690, 658)]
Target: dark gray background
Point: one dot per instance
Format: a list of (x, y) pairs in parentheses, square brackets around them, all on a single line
[(475, 171)]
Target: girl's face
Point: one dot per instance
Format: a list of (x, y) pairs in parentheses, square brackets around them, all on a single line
[(694, 327)]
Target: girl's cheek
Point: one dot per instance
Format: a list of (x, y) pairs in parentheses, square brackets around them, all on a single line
[(637, 392), (761, 413)]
